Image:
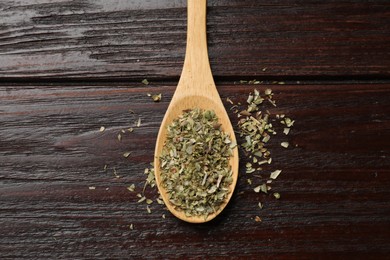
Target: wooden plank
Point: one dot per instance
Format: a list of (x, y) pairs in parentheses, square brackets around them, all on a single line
[(335, 185), (137, 39)]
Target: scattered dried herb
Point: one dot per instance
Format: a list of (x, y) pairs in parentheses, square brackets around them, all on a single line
[(256, 130), (126, 154), (156, 98), (287, 121), (197, 173), (131, 188), (263, 188), (250, 82), (145, 82), (195, 168), (275, 174), (143, 198), (138, 123), (284, 144)]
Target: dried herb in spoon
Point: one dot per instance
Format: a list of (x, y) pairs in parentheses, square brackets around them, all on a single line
[(194, 163)]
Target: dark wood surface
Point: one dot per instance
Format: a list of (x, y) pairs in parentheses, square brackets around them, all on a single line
[(69, 67)]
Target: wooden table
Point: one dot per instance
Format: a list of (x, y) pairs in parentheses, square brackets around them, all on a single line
[(69, 67)]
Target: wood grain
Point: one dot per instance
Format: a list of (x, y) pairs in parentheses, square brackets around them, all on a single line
[(69, 67), (335, 184), (119, 39)]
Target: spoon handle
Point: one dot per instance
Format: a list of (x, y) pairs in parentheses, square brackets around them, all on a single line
[(196, 76)]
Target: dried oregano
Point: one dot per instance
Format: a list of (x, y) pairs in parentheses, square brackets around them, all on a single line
[(255, 130), (194, 162)]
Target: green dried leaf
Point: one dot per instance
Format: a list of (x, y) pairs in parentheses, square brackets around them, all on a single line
[(138, 122), (266, 138), (126, 154), (145, 82), (288, 122), (272, 102), (275, 174), (250, 170), (264, 188), (284, 144), (263, 162), (142, 199), (156, 98), (131, 188)]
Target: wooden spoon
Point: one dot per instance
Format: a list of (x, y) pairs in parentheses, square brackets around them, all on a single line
[(196, 89)]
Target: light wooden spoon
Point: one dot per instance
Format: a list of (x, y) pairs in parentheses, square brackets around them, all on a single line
[(196, 89)]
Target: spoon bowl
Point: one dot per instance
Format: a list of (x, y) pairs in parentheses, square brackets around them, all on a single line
[(196, 89)]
